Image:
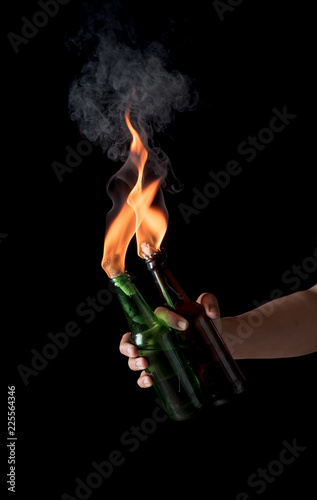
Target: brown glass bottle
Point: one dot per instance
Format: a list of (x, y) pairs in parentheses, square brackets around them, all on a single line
[(217, 370)]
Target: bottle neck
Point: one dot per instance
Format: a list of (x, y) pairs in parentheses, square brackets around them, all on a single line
[(139, 315), (170, 290)]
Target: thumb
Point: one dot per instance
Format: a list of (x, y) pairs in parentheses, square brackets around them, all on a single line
[(171, 318)]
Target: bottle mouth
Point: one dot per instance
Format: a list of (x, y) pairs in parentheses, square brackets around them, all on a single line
[(156, 259), (123, 281)]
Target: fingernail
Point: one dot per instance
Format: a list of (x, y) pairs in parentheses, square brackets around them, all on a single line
[(182, 325), (140, 363), (130, 350), (146, 381)]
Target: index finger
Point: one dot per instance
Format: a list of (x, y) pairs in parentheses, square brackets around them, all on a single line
[(210, 303), (126, 347)]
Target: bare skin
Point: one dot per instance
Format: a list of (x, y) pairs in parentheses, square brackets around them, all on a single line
[(285, 327)]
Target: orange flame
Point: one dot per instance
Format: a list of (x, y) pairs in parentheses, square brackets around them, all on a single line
[(136, 215), (151, 232)]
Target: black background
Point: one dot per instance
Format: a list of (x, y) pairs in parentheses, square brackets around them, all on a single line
[(76, 410)]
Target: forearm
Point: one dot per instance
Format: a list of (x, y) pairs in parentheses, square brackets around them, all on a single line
[(282, 328)]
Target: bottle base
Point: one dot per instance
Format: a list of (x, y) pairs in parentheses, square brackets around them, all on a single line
[(240, 390), (220, 402), (186, 415)]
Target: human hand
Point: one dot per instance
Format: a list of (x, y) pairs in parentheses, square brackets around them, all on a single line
[(173, 320)]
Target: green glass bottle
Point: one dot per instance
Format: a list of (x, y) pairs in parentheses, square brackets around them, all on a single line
[(175, 381), (217, 370)]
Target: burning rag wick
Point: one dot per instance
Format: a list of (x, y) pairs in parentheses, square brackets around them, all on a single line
[(147, 251), (113, 266)]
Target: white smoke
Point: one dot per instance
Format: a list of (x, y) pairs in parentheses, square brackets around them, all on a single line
[(120, 74), (116, 77)]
